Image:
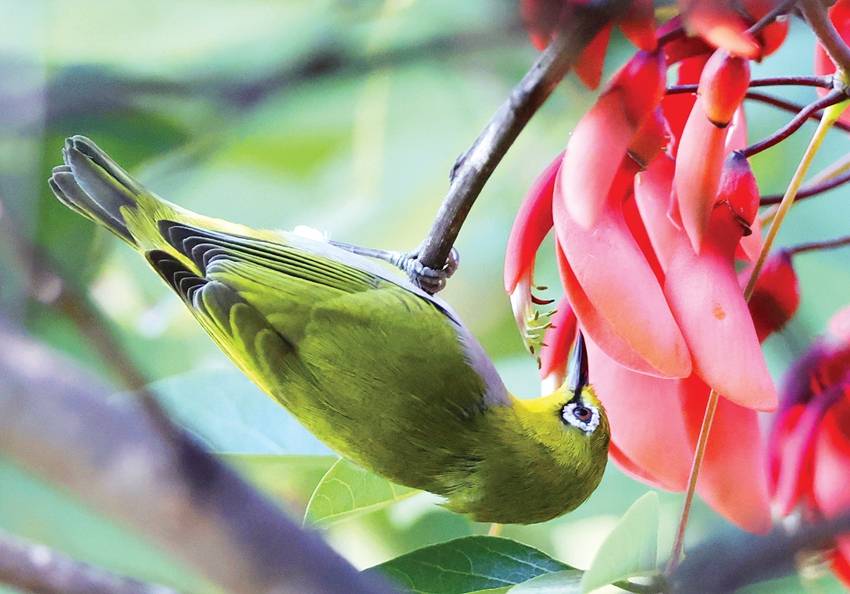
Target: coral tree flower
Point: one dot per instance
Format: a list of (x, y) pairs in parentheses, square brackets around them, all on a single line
[(543, 18), (652, 205), (809, 447)]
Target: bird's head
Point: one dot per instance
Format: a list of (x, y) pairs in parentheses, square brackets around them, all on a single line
[(570, 423)]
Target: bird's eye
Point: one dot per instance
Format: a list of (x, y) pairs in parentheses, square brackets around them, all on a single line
[(582, 413), (581, 416)]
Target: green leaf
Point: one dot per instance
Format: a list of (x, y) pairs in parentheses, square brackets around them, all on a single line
[(560, 582), (290, 479), (468, 565), (630, 550), (347, 491), (232, 415)]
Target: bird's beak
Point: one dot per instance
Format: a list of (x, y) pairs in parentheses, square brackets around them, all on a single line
[(578, 377)]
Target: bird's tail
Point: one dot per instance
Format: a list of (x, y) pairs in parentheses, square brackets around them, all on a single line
[(95, 186)]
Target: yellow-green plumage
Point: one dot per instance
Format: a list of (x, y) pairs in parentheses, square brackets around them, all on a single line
[(379, 370)]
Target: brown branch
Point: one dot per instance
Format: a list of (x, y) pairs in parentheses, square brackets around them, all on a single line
[(815, 246), (791, 107), (726, 565), (474, 167), (40, 570), (56, 421), (809, 191), (795, 123), (816, 15), (51, 288)]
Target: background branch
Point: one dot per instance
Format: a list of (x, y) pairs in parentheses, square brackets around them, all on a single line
[(475, 166), (729, 564), (41, 570), (171, 491)]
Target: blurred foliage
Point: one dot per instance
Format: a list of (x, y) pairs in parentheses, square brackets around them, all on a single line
[(345, 116)]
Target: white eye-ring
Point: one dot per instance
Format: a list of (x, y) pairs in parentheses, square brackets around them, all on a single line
[(582, 416)]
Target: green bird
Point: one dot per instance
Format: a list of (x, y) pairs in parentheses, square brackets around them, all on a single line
[(379, 370)]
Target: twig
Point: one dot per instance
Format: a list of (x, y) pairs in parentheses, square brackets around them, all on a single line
[(780, 9), (823, 82), (57, 422), (727, 565), (795, 124), (474, 167), (816, 15), (41, 570), (815, 246), (49, 287), (791, 107), (809, 191)]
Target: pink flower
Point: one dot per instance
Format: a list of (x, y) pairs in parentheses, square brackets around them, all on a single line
[(809, 447)]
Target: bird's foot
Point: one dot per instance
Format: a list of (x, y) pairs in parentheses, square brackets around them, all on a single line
[(430, 280)]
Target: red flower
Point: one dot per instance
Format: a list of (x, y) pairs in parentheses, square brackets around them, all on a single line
[(809, 447)]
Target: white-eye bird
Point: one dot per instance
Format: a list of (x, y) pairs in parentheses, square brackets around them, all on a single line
[(379, 370)]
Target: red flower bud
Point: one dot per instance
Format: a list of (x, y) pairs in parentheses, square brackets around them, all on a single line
[(739, 189), (723, 85), (776, 295)]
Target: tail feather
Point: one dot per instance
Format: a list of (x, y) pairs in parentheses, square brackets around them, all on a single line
[(92, 184)]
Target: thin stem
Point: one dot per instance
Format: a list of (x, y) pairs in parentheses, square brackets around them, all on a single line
[(815, 13), (790, 106), (779, 10), (693, 476), (796, 122), (814, 246), (809, 191), (824, 82), (830, 116), (475, 166)]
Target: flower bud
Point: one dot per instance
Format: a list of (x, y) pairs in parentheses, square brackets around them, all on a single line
[(776, 295), (723, 85), (739, 188)]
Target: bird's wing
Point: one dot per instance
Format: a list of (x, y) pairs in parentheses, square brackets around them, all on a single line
[(300, 322)]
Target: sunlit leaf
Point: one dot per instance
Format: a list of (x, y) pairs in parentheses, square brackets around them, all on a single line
[(630, 550), (230, 414), (290, 479), (347, 491), (560, 582), (468, 565)]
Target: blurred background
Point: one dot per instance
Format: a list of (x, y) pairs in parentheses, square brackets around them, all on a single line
[(345, 116)]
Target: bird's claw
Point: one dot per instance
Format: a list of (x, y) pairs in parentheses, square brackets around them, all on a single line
[(430, 280)]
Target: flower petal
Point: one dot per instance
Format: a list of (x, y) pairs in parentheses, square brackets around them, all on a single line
[(615, 287), (708, 304), (699, 162), (719, 24), (634, 402), (590, 63), (588, 172), (832, 463), (652, 197), (733, 477), (557, 342), (531, 225)]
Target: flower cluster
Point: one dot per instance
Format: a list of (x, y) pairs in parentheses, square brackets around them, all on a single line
[(809, 443), (655, 209)]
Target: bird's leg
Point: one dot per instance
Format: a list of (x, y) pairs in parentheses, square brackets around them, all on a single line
[(430, 280)]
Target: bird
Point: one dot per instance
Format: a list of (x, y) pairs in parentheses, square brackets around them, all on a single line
[(381, 371)]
